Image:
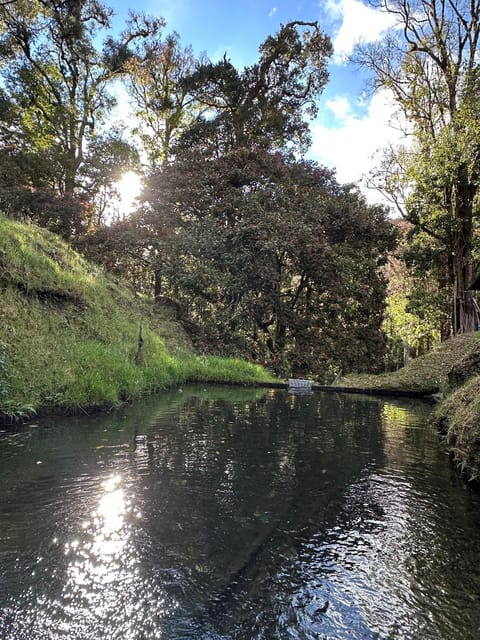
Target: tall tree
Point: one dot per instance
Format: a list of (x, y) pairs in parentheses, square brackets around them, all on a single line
[(56, 77), (430, 63), (155, 74), (267, 102), (56, 80), (272, 259), (262, 106)]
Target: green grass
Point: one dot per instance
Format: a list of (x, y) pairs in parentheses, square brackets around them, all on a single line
[(459, 415), (426, 374), (36, 260), (69, 334)]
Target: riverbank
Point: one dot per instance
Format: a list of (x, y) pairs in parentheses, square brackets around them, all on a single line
[(73, 339), (451, 374)]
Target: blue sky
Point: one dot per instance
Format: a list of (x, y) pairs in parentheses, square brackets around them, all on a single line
[(352, 124)]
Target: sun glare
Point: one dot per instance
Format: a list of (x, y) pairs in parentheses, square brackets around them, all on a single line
[(128, 187)]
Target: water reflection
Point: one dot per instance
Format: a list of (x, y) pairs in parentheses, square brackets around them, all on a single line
[(252, 516), (103, 572)]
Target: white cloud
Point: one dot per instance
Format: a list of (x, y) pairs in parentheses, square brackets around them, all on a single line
[(352, 147), (339, 106), (359, 23), (272, 12)]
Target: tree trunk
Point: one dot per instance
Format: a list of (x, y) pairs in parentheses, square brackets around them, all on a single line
[(157, 282), (464, 312)]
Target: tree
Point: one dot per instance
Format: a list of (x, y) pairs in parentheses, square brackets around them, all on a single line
[(270, 258), (56, 85), (262, 106), (155, 74), (264, 255), (56, 78), (267, 102), (418, 309), (430, 63)]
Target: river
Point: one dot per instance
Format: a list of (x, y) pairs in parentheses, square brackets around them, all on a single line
[(237, 514)]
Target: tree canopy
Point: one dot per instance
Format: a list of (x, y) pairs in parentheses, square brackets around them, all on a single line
[(430, 63), (266, 102), (55, 101), (261, 253), (271, 258)]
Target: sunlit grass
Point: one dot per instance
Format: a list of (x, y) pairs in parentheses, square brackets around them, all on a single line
[(426, 374), (36, 259), (69, 335)]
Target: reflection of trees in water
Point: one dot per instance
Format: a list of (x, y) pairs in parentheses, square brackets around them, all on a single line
[(224, 478), (234, 492)]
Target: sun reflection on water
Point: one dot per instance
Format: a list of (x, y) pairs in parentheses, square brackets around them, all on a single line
[(112, 507), (105, 586)]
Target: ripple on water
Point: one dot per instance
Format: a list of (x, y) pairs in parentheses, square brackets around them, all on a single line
[(327, 517)]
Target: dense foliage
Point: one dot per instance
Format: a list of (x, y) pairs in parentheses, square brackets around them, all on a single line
[(272, 259), (429, 62), (260, 253), (418, 308)]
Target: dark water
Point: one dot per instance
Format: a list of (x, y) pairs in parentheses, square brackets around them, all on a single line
[(237, 514)]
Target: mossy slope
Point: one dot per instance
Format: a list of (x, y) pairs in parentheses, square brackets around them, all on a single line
[(459, 415), (427, 374), (69, 334)]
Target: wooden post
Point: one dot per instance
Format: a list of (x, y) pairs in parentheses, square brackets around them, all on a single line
[(138, 355)]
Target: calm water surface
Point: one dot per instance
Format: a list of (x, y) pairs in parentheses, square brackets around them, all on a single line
[(237, 514)]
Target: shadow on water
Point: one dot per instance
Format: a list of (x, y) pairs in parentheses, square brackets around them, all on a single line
[(237, 514)]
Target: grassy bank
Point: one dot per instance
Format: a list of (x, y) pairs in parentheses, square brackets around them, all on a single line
[(71, 338), (427, 374), (451, 370)]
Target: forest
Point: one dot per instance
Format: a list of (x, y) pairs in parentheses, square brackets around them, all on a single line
[(259, 252)]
